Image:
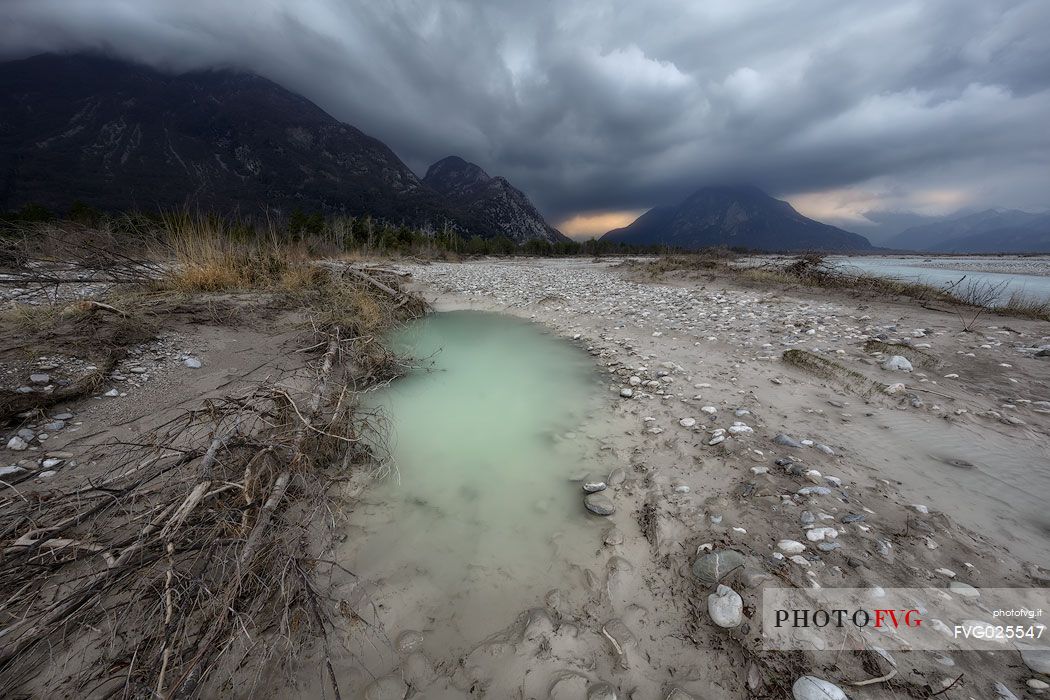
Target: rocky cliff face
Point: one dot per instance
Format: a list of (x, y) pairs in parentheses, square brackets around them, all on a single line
[(492, 200), (735, 217)]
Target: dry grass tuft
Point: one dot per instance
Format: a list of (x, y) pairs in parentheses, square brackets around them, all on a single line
[(212, 255), (1026, 306)]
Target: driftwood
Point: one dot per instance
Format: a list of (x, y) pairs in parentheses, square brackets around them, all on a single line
[(189, 562), (374, 282)]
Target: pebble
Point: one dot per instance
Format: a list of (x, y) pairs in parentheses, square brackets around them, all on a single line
[(112, 393), (389, 687), (1002, 692), (13, 469), (709, 410), (55, 425), (591, 485), (813, 491), (192, 362), (613, 536), (417, 670), (819, 534), (599, 504), (725, 607), (601, 691), (51, 462), (626, 393), (966, 591), (40, 378), (813, 688), (711, 567), (787, 441), (617, 476), (17, 444), (897, 363), (1036, 659), (791, 546), (1036, 684), (687, 422)]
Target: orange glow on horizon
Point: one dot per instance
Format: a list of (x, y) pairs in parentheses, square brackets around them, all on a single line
[(592, 225)]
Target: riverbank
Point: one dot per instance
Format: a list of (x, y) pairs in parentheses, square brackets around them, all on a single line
[(761, 432), (718, 442)]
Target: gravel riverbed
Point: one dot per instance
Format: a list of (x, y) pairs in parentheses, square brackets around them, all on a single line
[(919, 461)]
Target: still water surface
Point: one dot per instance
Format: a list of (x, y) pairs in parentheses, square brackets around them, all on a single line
[(480, 519)]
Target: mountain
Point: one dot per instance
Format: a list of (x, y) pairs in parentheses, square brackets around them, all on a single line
[(118, 135), (989, 231), (492, 200), (735, 217)]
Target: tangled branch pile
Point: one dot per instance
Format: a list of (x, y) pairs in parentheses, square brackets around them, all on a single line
[(188, 567)]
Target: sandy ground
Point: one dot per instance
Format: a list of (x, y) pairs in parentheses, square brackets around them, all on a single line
[(949, 478), (952, 475)]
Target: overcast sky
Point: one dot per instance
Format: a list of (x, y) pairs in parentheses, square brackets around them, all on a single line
[(857, 112)]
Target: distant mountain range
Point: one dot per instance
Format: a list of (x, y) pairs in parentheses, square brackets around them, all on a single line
[(118, 136), (989, 231), (735, 217), (492, 200)]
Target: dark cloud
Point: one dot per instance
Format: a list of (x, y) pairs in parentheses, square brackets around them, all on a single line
[(857, 109)]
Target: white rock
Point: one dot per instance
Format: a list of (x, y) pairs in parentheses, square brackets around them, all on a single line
[(687, 422), (820, 534), (1036, 659), (897, 363), (51, 462), (740, 429), (13, 469), (725, 607), (709, 410), (716, 439), (967, 591), (112, 393), (813, 688), (18, 444), (791, 547), (626, 393), (634, 381), (192, 362)]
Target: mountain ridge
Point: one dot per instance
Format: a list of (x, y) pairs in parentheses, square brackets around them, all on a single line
[(120, 135), (995, 230), (491, 199), (735, 216)]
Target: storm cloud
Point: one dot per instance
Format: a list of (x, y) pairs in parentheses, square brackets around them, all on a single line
[(857, 112)]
